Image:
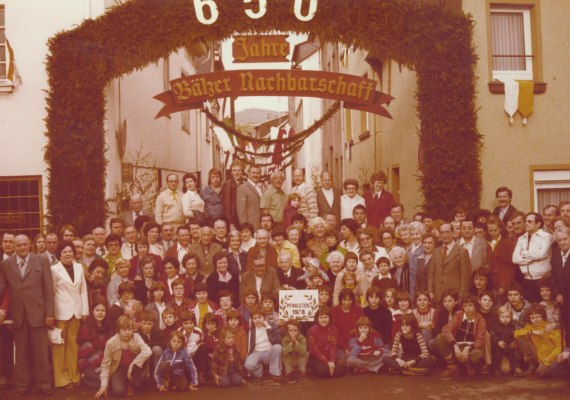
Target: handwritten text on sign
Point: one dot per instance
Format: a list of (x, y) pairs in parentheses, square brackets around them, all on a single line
[(301, 305)]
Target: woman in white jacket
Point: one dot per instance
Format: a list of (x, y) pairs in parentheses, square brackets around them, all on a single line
[(71, 306)]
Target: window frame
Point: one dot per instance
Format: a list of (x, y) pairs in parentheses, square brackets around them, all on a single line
[(35, 179), (498, 87), (528, 73), (4, 46), (547, 177)]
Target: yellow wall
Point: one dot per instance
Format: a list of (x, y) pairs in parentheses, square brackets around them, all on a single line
[(509, 151)]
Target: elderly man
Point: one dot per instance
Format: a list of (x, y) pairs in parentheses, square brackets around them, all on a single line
[(248, 198), (450, 266), (532, 255), (260, 277), (168, 207), (478, 249), (274, 200), (205, 250), (309, 205), (328, 198), (505, 210), (135, 209), (129, 247), (262, 247), (32, 309), (288, 276), (167, 235), (220, 233)]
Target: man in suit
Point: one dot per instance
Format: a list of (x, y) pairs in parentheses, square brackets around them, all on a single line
[(288, 276), (450, 266), (378, 201), (135, 210), (248, 198), (8, 249), (478, 249), (505, 210), (31, 294), (205, 250), (267, 276), (229, 194), (328, 198), (560, 262)]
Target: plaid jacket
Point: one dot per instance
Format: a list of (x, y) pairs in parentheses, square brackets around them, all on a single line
[(221, 360)]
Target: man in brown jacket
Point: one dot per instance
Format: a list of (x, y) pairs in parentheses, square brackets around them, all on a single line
[(450, 266)]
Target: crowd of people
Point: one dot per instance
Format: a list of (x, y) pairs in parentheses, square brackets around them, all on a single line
[(188, 295)]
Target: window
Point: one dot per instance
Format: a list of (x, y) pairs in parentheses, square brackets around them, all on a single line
[(21, 204), (3, 45), (512, 55), (550, 187)]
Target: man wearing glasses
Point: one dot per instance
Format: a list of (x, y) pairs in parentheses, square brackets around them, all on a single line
[(168, 206), (532, 255)]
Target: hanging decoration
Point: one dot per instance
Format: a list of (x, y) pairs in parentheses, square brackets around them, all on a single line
[(428, 39)]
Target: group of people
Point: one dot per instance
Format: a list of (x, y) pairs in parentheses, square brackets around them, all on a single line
[(188, 295)]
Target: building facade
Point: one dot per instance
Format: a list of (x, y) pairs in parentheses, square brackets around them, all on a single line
[(140, 149)]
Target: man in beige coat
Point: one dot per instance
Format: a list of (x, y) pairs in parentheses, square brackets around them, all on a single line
[(168, 207)]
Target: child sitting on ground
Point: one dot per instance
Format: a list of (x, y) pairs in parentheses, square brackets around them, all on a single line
[(227, 365), (175, 365), (294, 351), (463, 340), (170, 321), (365, 347), (409, 354), (546, 342)]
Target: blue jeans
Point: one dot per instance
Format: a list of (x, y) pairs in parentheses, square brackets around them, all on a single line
[(255, 361)]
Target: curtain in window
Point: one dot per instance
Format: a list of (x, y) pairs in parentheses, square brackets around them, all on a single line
[(551, 196), (507, 31)]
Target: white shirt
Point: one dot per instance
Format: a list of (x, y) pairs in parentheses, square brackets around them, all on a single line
[(128, 250), (347, 204), (329, 195), (467, 246)]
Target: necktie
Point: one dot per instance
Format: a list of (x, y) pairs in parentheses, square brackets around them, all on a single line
[(174, 196), (22, 267), (103, 252), (444, 254), (132, 250), (53, 260)]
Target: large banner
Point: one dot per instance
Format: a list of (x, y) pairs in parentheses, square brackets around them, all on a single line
[(301, 305), (356, 92)]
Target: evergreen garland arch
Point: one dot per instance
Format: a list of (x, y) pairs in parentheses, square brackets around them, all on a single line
[(428, 39)]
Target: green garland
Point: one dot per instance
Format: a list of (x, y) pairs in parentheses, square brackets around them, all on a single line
[(133, 35)]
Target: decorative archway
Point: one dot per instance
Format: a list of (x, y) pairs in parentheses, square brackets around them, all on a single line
[(435, 43)]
